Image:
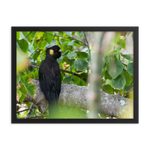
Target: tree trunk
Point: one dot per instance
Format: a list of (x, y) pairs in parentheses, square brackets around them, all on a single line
[(76, 96)]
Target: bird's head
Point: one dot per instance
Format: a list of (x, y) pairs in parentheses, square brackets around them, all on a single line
[(54, 52)]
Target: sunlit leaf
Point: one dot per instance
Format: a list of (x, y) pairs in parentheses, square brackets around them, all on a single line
[(23, 44)]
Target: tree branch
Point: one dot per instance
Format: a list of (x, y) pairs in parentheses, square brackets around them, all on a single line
[(76, 96), (36, 66)]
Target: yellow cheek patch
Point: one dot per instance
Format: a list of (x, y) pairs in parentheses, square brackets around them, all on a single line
[(51, 52)]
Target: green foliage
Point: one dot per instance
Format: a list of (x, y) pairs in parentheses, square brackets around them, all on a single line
[(115, 68), (71, 55), (24, 93), (23, 44), (116, 75), (80, 64), (117, 83), (130, 68), (117, 71)]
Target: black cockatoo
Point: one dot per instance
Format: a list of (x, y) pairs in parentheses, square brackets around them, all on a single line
[(50, 79)]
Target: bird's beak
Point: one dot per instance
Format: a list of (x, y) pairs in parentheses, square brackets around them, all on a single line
[(60, 51)]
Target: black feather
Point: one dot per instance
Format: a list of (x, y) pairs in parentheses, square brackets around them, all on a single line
[(50, 79)]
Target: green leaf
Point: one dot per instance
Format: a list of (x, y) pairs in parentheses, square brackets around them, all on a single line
[(32, 75), (34, 43), (71, 55), (53, 42), (68, 61), (68, 33), (82, 82), (67, 79), (128, 78), (118, 83), (117, 38), (122, 43), (71, 43), (84, 75), (39, 35), (18, 77), (109, 89), (73, 32), (42, 43), (80, 64), (79, 34), (29, 35), (128, 56), (115, 68), (42, 55), (107, 81), (78, 44), (127, 88), (36, 72), (23, 44), (28, 86), (65, 40), (117, 55), (82, 54), (25, 79), (107, 76), (36, 55), (19, 93), (24, 93), (64, 52), (26, 33), (48, 37), (117, 49), (31, 89), (18, 35), (130, 68), (75, 43), (76, 79), (107, 59)]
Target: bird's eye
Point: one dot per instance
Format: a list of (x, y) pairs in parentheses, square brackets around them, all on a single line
[(51, 51)]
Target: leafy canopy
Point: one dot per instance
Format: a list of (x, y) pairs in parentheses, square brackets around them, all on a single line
[(117, 71)]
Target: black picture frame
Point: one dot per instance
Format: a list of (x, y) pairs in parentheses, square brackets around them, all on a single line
[(14, 29)]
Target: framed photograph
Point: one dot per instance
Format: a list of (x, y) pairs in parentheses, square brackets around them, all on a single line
[(74, 74)]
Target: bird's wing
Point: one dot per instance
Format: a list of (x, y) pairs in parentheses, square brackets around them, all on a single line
[(50, 80)]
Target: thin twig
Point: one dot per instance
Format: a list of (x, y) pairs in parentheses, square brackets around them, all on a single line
[(104, 89), (35, 66), (28, 34), (22, 110), (124, 64), (127, 92), (33, 53), (30, 109)]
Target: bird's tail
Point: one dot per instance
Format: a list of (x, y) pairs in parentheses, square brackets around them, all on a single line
[(53, 105)]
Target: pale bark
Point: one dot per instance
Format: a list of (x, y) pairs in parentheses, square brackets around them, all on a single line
[(76, 96)]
